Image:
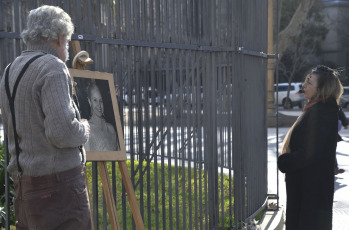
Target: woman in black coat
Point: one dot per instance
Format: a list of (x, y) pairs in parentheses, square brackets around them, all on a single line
[(308, 154)]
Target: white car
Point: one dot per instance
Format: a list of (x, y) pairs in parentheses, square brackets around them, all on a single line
[(143, 94), (296, 96)]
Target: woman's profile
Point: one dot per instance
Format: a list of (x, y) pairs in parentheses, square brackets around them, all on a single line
[(103, 136), (308, 153)]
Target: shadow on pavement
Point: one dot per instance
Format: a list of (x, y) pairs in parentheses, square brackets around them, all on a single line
[(339, 185)]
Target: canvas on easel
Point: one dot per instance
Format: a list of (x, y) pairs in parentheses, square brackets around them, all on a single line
[(98, 104), (81, 59)]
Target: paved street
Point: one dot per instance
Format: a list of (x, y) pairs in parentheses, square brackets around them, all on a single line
[(341, 198)]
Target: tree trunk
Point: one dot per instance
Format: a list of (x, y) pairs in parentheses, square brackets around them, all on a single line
[(294, 28)]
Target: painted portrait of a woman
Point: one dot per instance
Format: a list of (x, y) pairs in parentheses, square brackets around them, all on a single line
[(93, 98)]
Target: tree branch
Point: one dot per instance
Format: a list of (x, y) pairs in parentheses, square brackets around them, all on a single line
[(294, 28)]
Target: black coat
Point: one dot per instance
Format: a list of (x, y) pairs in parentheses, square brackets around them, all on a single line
[(309, 168), (343, 119)]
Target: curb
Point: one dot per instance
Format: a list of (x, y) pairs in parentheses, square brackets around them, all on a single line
[(273, 220), (285, 120)]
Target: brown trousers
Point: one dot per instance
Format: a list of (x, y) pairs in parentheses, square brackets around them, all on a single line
[(52, 202)]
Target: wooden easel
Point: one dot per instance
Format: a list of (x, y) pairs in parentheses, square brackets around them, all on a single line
[(103, 171)]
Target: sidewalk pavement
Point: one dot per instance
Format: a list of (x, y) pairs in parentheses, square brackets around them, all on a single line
[(296, 112), (288, 117), (275, 219)]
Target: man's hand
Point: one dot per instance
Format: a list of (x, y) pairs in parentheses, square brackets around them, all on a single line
[(86, 124)]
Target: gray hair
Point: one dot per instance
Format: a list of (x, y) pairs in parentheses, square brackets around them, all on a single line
[(47, 23)]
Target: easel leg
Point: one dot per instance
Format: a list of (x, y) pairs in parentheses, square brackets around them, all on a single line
[(131, 195), (103, 170)]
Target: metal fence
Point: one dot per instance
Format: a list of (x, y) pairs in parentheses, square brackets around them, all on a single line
[(192, 81)]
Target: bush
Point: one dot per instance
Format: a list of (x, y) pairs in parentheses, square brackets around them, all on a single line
[(149, 198), (3, 214)]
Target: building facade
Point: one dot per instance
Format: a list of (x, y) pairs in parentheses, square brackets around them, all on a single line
[(336, 45)]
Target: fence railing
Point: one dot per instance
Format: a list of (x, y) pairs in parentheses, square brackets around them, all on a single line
[(192, 78)]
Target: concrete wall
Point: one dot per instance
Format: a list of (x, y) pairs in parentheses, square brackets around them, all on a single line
[(335, 49)]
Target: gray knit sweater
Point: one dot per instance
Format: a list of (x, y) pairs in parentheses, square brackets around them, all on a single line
[(48, 130)]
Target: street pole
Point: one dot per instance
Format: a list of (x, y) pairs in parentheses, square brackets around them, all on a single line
[(271, 67)]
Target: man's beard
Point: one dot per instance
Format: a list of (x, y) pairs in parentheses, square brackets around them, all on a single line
[(66, 52)]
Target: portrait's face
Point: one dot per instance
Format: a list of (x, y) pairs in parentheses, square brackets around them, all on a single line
[(96, 102), (310, 87)]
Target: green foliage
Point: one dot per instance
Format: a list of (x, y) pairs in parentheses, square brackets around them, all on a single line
[(182, 193), (12, 227), (288, 8), (2, 190)]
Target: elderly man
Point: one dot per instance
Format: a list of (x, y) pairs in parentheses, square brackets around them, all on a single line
[(44, 128)]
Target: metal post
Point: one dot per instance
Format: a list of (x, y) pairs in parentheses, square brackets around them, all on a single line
[(277, 94)]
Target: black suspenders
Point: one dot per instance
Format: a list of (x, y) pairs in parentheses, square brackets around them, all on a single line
[(11, 99)]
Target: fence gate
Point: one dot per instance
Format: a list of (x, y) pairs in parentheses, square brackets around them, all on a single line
[(192, 81)]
